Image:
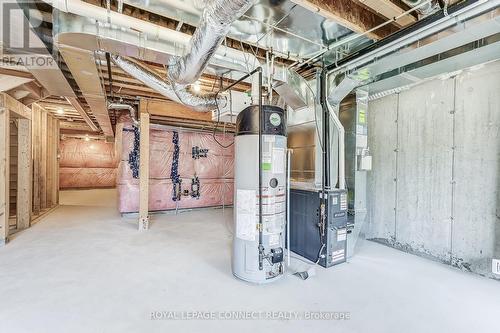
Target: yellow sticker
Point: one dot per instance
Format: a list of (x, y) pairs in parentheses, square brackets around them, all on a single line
[(362, 117)]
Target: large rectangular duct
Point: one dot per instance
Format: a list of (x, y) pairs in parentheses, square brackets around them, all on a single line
[(82, 64), (49, 75), (295, 90)]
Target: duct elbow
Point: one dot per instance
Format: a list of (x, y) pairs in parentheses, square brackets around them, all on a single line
[(200, 103), (214, 25), (129, 108), (176, 92)]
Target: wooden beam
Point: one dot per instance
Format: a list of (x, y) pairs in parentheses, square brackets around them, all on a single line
[(75, 125), (389, 10), (23, 210), (17, 73), (4, 171), (50, 166), (35, 125), (18, 109), (43, 159), (78, 107), (52, 162), (349, 14), (37, 92), (56, 157), (144, 173), (171, 109)]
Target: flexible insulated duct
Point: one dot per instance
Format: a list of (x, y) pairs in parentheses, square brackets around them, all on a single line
[(215, 21), (214, 25), (153, 80)]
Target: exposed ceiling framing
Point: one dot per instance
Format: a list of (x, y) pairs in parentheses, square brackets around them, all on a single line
[(350, 14), (117, 86)]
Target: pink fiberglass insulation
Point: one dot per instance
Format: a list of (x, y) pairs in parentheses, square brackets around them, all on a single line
[(87, 177), (86, 164), (219, 162), (213, 192), (215, 171), (77, 153)]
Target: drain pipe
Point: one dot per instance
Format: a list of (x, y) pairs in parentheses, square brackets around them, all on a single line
[(129, 108)]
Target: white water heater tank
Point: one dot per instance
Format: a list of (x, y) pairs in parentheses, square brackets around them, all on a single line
[(259, 235)]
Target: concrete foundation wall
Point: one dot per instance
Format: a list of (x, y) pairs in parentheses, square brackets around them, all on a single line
[(434, 187)]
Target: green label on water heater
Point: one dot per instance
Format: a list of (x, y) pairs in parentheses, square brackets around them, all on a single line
[(266, 166), (275, 119)]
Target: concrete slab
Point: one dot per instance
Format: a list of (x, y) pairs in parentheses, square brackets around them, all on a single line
[(86, 269)]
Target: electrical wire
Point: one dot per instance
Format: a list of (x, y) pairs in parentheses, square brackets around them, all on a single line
[(217, 125), (218, 120)]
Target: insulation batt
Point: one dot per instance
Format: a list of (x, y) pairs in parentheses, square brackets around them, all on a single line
[(87, 177), (214, 192), (215, 171), (76, 153), (86, 164)]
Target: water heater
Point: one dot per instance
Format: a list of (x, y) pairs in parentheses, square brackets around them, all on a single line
[(260, 214)]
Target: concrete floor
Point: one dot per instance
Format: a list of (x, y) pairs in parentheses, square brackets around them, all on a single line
[(83, 268)]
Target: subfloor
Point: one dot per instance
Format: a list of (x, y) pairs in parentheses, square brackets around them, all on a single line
[(84, 268)]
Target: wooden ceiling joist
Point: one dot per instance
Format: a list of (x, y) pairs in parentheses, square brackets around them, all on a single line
[(350, 14), (389, 10), (16, 73), (76, 105)]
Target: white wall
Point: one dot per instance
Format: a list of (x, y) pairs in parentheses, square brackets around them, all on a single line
[(434, 188)]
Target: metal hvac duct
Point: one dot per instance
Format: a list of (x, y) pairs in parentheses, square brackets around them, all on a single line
[(214, 25), (90, 27), (178, 94), (417, 45), (129, 108), (215, 21)]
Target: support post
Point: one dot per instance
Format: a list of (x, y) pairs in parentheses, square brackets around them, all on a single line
[(23, 210), (4, 172), (35, 128), (57, 135), (144, 173), (50, 165), (43, 159)]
